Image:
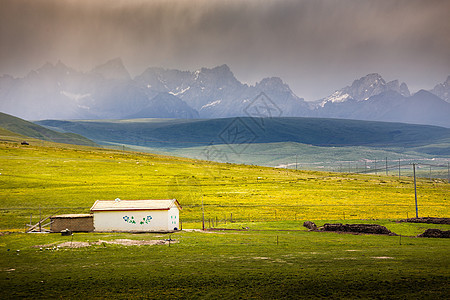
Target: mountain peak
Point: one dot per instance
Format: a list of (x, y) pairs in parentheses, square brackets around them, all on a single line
[(442, 90), (220, 75), (112, 69), (222, 70), (367, 86), (271, 82)]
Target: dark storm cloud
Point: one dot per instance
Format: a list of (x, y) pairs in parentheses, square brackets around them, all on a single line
[(315, 46)]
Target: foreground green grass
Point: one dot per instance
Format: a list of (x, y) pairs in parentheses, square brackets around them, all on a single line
[(230, 265)]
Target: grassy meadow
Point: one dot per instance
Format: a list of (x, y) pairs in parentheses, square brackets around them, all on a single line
[(62, 179), (276, 259)]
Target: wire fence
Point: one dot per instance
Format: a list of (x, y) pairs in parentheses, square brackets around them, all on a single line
[(213, 215)]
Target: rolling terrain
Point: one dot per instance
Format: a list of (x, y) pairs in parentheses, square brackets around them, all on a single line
[(308, 143)]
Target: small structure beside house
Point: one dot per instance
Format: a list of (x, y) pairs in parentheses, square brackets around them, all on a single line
[(72, 222), (136, 215)]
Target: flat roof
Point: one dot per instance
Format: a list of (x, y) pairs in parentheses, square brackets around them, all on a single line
[(127, 205), (71, 216)]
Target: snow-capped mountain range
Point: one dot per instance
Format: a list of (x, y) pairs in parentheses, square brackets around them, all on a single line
[(109, 92)]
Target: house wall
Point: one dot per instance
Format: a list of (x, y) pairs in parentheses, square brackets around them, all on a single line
[(132, 221), (75, 224), (173, 219)]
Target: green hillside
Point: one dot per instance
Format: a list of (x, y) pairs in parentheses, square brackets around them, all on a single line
[(312, 131), (11, 126)]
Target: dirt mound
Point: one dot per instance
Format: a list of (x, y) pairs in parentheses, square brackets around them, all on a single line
[(357, 228), (74, 244), (435, 233), (125, 242), (428, 220), (310, 225)]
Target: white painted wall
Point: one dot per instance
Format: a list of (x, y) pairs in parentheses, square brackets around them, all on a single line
[(173, 218), (137, 221)]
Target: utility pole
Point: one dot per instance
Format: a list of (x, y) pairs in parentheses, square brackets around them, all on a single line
[(203, 216), (376, 172), (296, 161), (415, 189), (399, 168), (430, 172), (386, 167)]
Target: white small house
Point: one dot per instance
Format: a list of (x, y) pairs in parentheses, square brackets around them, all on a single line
[(136, 215)]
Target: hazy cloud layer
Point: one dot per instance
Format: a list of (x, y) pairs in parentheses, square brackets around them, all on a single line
[(310, 44)]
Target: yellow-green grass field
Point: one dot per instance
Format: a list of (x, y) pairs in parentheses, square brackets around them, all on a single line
[(55, 178)]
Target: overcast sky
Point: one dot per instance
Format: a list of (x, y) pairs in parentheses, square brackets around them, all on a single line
[(315, 46)]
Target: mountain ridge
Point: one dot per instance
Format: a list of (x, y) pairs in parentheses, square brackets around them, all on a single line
[(109, 92)]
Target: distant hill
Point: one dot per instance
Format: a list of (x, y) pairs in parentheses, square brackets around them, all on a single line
[(11, 126), (238, 132)]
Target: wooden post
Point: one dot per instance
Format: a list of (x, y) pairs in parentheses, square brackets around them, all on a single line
[(40, 218), (231, 218)]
